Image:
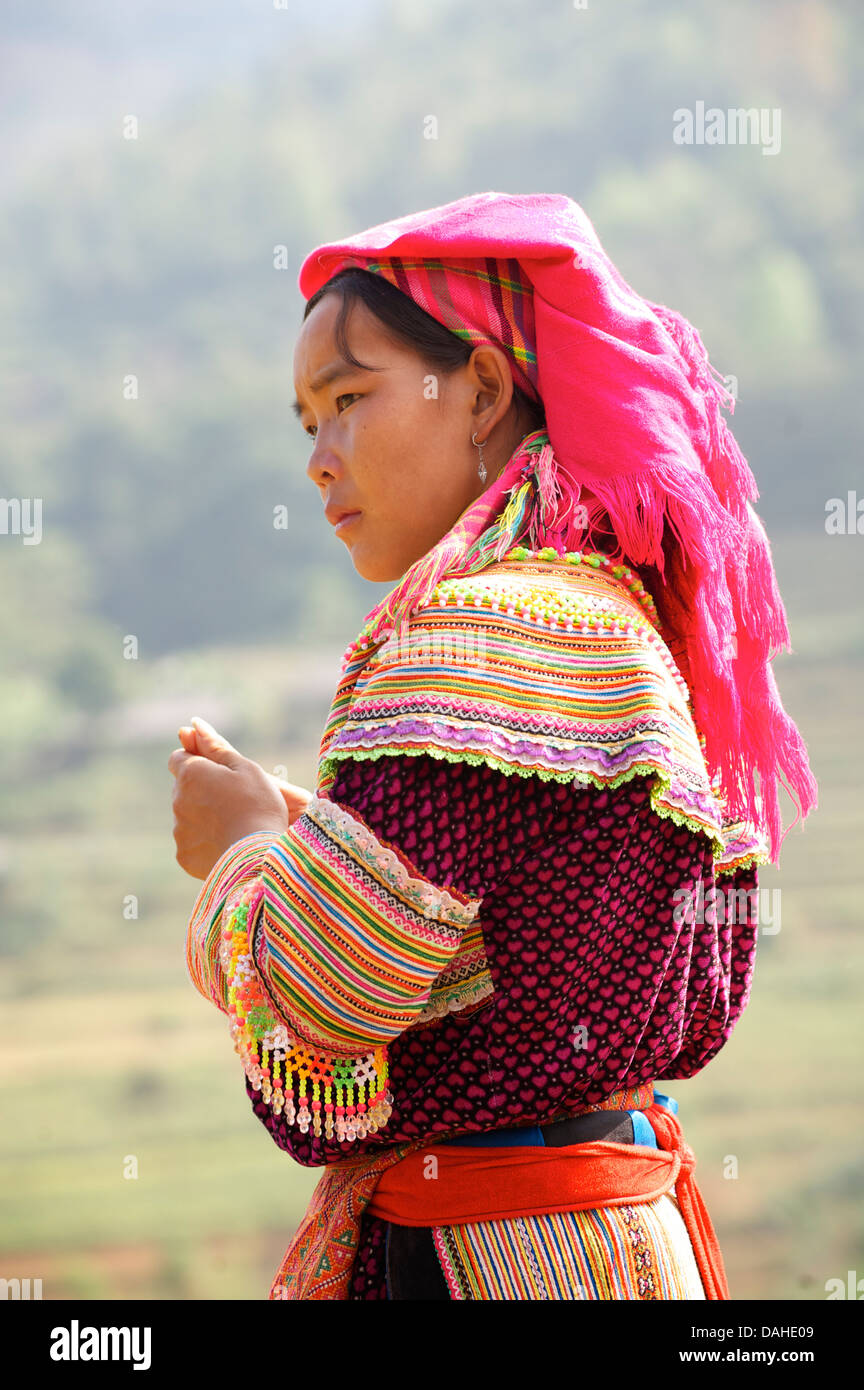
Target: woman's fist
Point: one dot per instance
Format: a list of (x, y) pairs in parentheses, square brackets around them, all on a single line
[(219, 797)]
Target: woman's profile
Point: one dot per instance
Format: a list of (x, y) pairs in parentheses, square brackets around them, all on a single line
[(525, 887)]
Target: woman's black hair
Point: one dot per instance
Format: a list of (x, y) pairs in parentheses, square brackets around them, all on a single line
[(411, 325)]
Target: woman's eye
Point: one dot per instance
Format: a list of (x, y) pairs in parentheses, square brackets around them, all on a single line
[(346, 396)]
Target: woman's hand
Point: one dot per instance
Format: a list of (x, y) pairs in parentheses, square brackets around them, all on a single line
[(295, 797), (219, 797)]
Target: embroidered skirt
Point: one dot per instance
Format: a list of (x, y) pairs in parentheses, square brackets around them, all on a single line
[(636, 1251)]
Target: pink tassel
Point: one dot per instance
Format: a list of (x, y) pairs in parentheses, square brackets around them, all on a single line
[(549, 495)]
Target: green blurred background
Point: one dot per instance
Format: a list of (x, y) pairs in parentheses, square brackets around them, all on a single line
[(263, 127)]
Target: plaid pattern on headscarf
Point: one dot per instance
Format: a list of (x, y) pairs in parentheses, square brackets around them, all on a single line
[(482, 300)]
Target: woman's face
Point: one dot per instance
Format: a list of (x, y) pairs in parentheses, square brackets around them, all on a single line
[(394, 445)]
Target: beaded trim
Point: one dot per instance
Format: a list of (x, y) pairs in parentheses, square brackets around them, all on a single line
[(568, 612), (571, 613), (384, 706), (350, 1093), (596, 559), (617, 606)]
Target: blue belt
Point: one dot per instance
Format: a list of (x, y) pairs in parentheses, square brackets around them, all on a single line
[(533, 1134)]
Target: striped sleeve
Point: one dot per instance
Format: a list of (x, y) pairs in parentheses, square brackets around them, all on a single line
[(322, 947), (238, 866)]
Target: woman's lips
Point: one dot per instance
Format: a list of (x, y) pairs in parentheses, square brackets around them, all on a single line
[(346, 521)]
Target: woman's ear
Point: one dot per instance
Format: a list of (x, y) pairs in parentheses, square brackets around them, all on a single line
[(490, 374)]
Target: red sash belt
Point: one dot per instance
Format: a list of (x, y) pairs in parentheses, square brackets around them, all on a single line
[(494, 1184)]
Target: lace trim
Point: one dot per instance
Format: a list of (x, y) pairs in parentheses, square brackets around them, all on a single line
[(428, 899)]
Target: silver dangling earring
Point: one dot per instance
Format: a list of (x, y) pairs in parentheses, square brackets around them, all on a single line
[(481, 467)]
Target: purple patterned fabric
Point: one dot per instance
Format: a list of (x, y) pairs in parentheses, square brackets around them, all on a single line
[(578, 923)]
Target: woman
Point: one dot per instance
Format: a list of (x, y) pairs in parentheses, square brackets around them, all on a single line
[(525, 887)]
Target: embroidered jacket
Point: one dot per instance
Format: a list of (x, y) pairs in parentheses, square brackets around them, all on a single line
[(332, 949)]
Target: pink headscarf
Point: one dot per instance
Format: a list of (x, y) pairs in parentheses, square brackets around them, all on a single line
[(633, 415)]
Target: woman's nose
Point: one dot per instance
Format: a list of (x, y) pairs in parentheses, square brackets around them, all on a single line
[(322, 465)]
